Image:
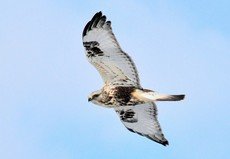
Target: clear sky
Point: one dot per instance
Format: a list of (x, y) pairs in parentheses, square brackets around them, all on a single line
[(178, 47)]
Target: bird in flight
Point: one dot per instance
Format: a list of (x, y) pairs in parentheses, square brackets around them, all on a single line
[(122, 91)]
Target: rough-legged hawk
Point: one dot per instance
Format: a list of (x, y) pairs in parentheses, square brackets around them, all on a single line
[(122, 91)]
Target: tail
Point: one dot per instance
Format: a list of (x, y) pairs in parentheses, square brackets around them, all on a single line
[(170, 97), (150, 96)]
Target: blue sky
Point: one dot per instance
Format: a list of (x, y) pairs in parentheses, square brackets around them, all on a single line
[(178, 47)]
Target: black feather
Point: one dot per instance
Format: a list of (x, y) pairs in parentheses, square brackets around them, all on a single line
[(93, 22), (86, 29), (165, 142)]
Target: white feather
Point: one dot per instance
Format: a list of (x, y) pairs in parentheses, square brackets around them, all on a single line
[(147, 123)]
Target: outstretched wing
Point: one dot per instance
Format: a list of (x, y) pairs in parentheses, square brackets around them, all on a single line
[(104, 52), (142, 119)]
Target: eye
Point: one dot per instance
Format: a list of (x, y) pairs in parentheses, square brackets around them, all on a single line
[(95, 96)]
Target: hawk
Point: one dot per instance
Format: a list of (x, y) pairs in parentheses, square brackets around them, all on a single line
[(122, 91)]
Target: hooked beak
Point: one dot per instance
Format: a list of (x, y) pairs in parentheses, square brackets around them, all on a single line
[(89, 99)]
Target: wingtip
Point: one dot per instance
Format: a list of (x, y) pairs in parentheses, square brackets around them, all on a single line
[(97, 16), (100, 12), (162, 142), (165, 143)]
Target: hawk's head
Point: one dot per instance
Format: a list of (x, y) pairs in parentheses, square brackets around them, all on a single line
[(95, 97)]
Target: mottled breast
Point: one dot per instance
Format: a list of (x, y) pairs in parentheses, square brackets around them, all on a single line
[(120, 96)]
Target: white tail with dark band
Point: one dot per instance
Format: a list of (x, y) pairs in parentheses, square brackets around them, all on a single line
[(150, 96)]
